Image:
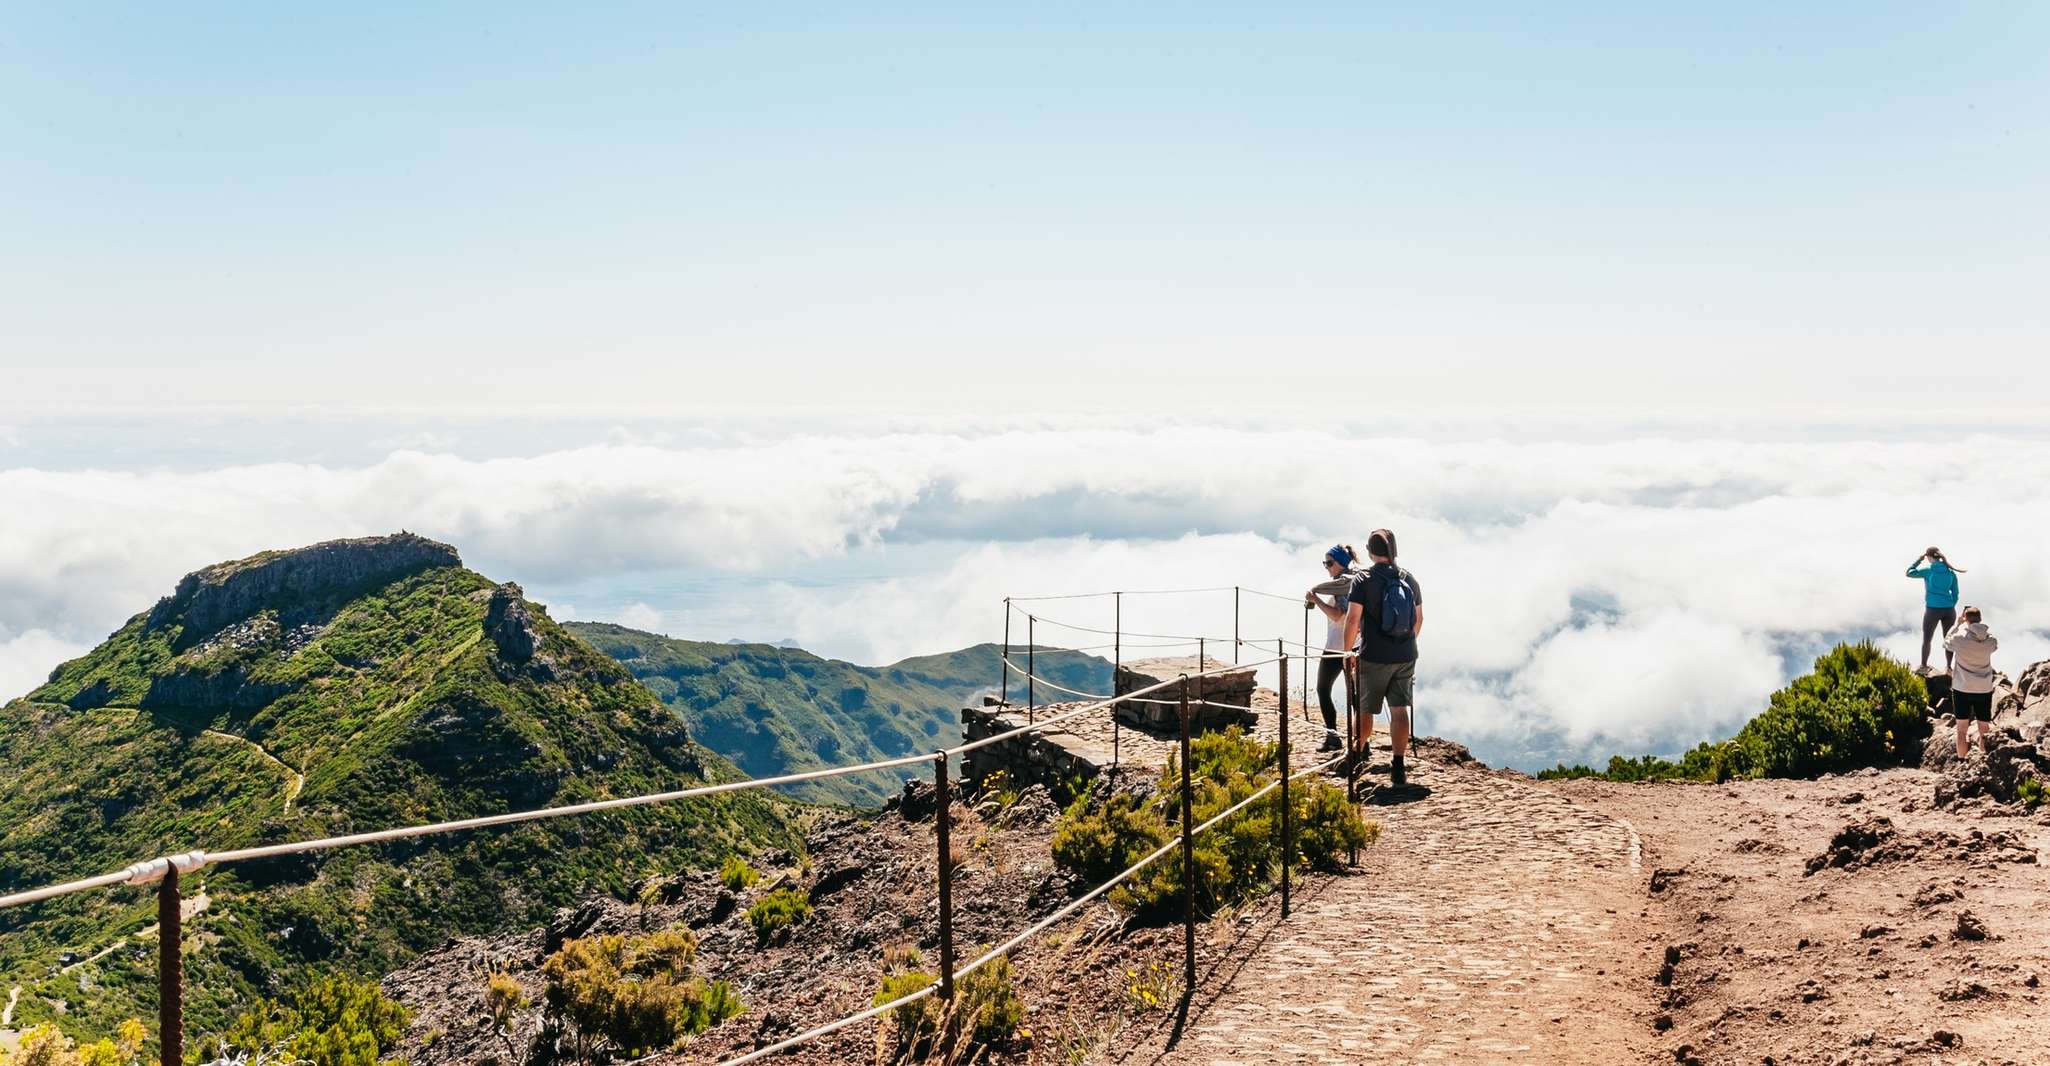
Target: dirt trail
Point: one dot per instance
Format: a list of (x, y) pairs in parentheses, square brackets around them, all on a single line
[(1496, 921), (294, 780), (1862, 960)]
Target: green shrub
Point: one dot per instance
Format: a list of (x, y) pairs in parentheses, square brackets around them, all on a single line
[(2030, 791), (632, 995), (986, 1004), (1859, 707), (334, 1021), (914, 1023), (1099, 836), (736, 874), (1096, 845), (778, 910), (986, 1009)]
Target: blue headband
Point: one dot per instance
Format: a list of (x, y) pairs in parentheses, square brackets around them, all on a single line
[(1339, 555)]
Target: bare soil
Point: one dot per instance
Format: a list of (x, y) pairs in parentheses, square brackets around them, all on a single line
[(1842, 920)]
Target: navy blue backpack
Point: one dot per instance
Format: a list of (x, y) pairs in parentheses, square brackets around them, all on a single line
[(1398, 606)]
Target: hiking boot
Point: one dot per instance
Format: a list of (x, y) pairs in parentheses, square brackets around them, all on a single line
[(1396, 775), (1331, 743)]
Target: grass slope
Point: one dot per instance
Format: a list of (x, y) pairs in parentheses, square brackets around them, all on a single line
[(393, 706), (780, 710)]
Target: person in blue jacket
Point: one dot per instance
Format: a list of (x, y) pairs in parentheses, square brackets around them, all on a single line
[(1939, 598)]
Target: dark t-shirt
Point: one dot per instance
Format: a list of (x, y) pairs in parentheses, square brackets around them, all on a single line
[(1376, 646)]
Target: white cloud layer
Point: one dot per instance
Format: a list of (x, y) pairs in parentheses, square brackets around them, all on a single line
[(1582, 597)]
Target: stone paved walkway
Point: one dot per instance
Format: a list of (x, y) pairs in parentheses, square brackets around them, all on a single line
[(1492, 923)]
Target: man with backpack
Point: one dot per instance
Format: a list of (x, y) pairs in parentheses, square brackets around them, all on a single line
[(1384, 613)]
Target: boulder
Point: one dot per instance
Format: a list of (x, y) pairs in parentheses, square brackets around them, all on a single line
[(2016, 753)]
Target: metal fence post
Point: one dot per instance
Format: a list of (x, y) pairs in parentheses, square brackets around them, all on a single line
[(1235, 641), (1004, 694), (1031, 667), (1117, 662), (1287, 836), (170, 969), (942, 819), (1188, 859)]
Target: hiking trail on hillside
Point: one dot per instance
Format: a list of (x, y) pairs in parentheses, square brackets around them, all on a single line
[(1495, 920)]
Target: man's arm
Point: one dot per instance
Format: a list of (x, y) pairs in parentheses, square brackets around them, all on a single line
[(1418, 629), (1352, 626)]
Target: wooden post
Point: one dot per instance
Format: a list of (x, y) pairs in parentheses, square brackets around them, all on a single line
[(1188, 859), (1287, 834), (1004, 694), (170, 970), (942, 826)]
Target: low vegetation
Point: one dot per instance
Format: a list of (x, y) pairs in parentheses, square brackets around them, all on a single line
[(333, 1021), (986, 1012), (615, 995), (46, 1045), (1859, 707), (736, 874), (777, 911), (1102, 833)]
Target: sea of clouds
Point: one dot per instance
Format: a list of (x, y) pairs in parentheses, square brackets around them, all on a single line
[(1584, 595)]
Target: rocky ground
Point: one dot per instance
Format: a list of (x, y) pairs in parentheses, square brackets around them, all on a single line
[(872, 886), (1874, 917)]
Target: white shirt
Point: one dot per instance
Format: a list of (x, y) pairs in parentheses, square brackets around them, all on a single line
[(1334, 632)]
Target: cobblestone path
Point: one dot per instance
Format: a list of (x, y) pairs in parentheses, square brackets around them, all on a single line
[(1492, 923)]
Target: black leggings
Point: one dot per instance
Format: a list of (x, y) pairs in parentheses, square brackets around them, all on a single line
[(1328, 673), (1931, 618)]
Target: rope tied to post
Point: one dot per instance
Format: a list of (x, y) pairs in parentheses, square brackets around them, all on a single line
[(151, 871)]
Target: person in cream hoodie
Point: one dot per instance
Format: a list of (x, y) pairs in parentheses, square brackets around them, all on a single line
[(1971, 676)]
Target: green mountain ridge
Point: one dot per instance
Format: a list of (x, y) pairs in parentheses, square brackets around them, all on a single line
[(775, 710), (348, 686)]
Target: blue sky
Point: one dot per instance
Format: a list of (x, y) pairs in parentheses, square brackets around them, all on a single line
[(666, 207), (1665, 338)]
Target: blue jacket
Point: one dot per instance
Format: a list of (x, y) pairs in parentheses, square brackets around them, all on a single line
[(1939, 583)]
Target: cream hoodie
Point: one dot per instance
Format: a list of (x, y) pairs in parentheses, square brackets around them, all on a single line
[(1973, 646)]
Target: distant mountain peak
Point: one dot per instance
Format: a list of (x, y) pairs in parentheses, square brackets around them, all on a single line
[(216, 596)]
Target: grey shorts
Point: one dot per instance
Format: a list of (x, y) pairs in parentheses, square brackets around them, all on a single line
[(1393, 682)]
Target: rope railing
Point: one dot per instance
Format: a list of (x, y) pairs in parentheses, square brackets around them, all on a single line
[(166, 871), (1059, 914)]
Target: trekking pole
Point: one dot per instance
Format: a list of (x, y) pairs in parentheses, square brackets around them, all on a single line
[(1306, 663), (1287, 837), (1188, 859), (1354, 753)]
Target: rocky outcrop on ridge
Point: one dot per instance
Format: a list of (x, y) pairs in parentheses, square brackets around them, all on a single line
[(208, 600), (510, 624)]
